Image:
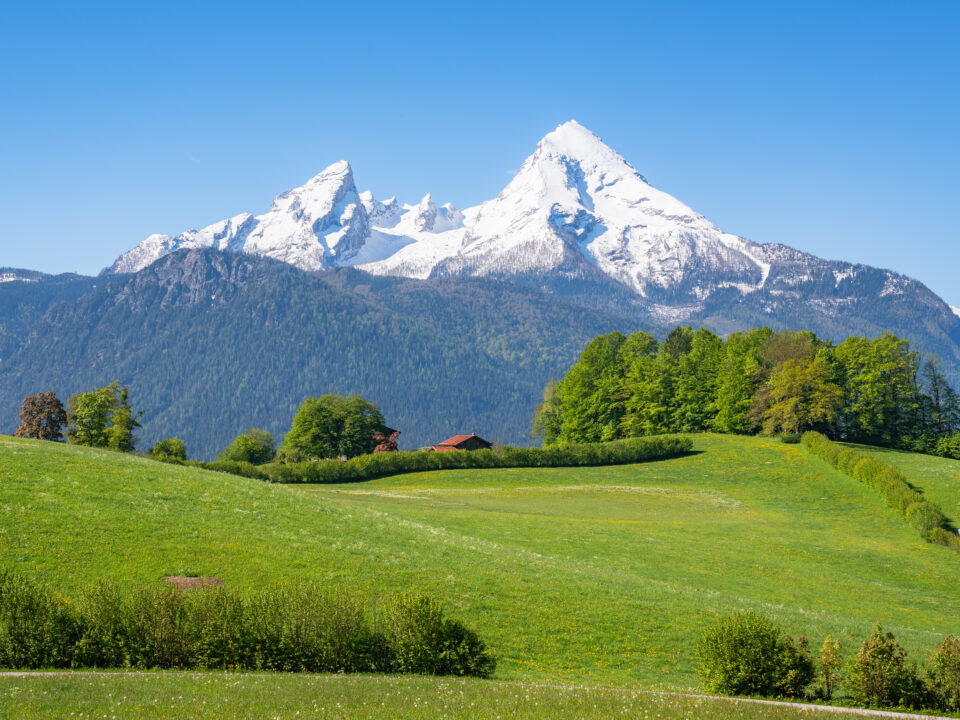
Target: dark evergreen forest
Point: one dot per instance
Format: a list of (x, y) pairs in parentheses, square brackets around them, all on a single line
[(211, 344)]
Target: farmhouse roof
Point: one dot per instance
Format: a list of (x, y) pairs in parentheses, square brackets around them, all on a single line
[(457, 439)]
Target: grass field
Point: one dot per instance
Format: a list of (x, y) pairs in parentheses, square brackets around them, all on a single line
[(586, 575), (937, 477), (149, 696)]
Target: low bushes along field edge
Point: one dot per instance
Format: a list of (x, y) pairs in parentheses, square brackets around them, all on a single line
[(367, 467), (890, 484), (297, 627), (747, 654)]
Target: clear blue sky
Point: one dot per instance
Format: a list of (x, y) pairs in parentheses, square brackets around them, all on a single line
[(831, 127)]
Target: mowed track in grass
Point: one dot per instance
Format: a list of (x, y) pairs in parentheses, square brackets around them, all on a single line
[(593, 575)]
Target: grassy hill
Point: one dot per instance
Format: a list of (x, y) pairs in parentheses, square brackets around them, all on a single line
[(938, 478), (586, 575)]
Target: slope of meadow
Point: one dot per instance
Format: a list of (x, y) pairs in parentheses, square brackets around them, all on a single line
[(937, 477), (587, 575)]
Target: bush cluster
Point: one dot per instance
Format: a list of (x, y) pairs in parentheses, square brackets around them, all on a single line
[(747, 654), (286, 628), (948, 447), (366, 467), (890, 484)]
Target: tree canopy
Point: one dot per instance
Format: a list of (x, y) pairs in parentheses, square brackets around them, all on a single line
[(332, 426), (103, 418), (871, 390), (254, 446), (42, 417)]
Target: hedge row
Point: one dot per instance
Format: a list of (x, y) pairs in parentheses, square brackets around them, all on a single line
[(233, 467), (891, 484), (366, 467), (286, 628)]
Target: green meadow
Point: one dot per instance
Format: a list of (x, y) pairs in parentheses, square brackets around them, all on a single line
[(587, 575), (588, 583), (231, 696), (938, 478)]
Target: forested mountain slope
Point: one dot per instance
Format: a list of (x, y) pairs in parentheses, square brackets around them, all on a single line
[(212, 343)]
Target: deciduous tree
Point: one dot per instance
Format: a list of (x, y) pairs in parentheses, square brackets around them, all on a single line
[(103, 418), (42, 417), (332, 426)]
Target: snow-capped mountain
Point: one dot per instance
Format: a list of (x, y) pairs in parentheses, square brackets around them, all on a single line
[(324, 223), (576, 212)]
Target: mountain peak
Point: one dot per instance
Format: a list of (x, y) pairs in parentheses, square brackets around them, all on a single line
[(572, 140)]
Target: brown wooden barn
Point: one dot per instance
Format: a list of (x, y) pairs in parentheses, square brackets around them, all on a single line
[(462, 442)]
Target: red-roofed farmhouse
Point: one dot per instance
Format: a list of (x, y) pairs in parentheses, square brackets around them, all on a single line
[(462, 442)]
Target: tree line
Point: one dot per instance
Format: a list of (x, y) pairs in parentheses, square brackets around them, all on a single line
[(330, 426), (875, 391)]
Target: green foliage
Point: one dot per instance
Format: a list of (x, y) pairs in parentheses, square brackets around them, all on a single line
[(831, 662), (880, 380), (170, 449), (746, 653), (862, 390), (888, 482), (291, 628), (366, 467), (103, 418), (948, 447), (234, 467), (945, 672), (256, 447), (36, 627), (332, 426), (421, 640), (795, 668), (880, 676), (798, 395)]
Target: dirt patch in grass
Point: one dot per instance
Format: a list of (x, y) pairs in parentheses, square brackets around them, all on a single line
[(192, 583)]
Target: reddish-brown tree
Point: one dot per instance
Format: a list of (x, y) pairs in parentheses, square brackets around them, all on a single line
[(384, 443), (42, 417)]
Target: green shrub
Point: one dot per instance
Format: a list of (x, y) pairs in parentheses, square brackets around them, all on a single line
[(256, 447), (746, 654), (795, 668), (37, 629), (790, 438), (880, 676), (290, 628), (170, 449), (422, 641), (949, 447), (945, 673), (925, 517), (366, 467)]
